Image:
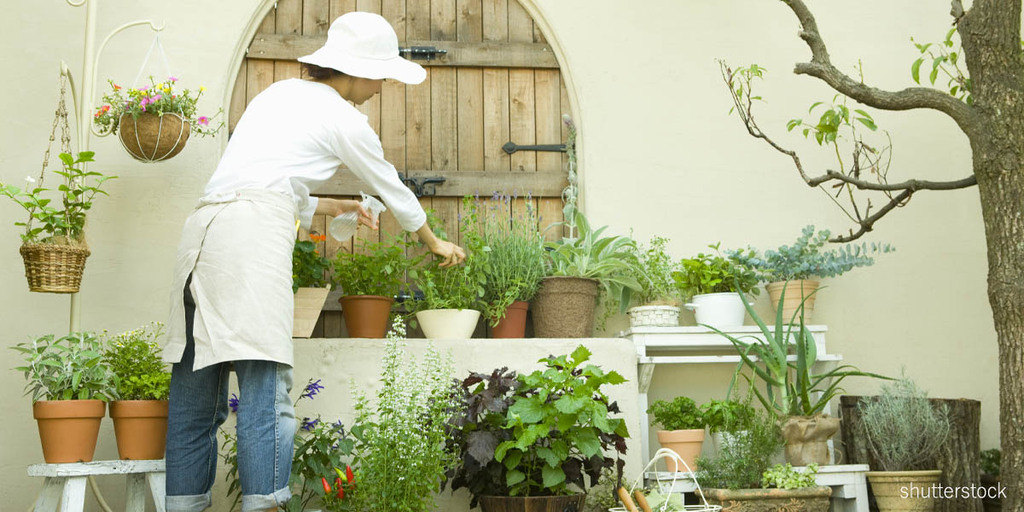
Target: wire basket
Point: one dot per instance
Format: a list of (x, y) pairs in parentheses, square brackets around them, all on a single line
[(152, 138), (54, 268), (666, 485)]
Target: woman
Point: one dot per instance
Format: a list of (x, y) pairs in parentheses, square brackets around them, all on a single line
[(232, 299)]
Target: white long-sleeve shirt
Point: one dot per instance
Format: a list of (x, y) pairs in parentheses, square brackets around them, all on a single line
[(292, 138)]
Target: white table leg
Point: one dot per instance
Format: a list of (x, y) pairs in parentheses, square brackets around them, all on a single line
[(50, 495), (73, 499), (158, 486), (135, 493), (861, 490)]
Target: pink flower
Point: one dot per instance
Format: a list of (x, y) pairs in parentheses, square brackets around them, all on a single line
[(203, 120), (158, 96), (144, 102), (173, 79), (143, 88)]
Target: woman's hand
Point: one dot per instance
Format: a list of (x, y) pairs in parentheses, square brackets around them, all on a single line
[(351, 205), (449, 252)]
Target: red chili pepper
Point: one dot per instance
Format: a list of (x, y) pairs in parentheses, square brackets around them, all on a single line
[(341, 490), (348, 473), (327, 486)]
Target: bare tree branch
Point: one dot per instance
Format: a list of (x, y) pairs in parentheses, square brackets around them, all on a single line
[(868, 223), (912, 185), (911, 98)]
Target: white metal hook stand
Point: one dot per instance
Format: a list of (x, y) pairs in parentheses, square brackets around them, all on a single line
[(83, 99)]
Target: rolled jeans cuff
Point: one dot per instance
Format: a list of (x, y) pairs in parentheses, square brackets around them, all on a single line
[(257, 502), (193, 503)]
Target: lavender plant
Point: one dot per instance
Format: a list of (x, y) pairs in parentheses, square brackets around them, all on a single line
[(516, 257)]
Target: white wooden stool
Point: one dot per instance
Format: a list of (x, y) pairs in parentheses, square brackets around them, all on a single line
[(65, 483)]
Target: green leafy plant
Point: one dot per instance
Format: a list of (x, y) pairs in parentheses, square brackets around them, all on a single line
[(991, 460), (516, 258), (609, 259), (400, 439), (538, 434), (66, 368), (64, 225), (157, 98), (679, 414), (904, 430), (834, 118), (742, 461), (782, 476), (791, 388), (713, 273), (944, 57), (378, 269), (727, 415), (309, 267), (458, 286), (654, 273), (134, 357), (807, 259)]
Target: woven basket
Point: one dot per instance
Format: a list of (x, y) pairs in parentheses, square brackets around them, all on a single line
[(152, 138), (54, 268)]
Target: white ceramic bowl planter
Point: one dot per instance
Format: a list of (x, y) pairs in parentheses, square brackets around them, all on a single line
[(448, 323), (719, 310)]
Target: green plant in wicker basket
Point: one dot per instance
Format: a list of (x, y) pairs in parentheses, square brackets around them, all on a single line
[(654, 273), (49, 224), (378, 269), (134, 357), (66, 368)]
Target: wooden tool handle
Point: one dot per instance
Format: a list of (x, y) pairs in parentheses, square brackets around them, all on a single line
[(641, 500), (626, 500)]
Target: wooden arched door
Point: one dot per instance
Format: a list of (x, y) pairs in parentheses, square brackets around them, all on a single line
[(498, 82)]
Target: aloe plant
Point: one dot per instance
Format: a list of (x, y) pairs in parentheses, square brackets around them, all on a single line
[(791, 389)]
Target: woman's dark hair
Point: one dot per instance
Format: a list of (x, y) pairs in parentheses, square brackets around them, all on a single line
[(319, 73)]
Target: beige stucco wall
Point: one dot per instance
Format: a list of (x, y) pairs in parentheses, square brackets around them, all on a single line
[(659, 155)]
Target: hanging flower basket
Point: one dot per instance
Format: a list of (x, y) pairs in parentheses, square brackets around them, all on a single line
[(152, 137), (54, 268)]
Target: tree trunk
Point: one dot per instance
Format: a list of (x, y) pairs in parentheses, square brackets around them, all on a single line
[(959, 459)]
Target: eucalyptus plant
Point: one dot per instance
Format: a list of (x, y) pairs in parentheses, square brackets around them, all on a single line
[(66, 368), (807, 258)]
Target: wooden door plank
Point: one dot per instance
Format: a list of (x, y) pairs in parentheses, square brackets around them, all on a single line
[(566, 110), (417, 24), (394, 12), (524, 211), (549, 211), (443, 119), (339, 7), (548, 120), (289, 17), (372, 106), (316, 17), (442, 20), (495, 20), (332, 322), (417, 124), (522, 117), (460, 53), (460, 183), (238, 99), (368, 6), (520, 24), (393, 123), (496, 119), (260, 74), (469, 20), (470, 119), (447, 209)]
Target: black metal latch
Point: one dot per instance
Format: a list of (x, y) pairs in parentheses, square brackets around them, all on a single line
[(419, 185), (421, 52), (512, 147)]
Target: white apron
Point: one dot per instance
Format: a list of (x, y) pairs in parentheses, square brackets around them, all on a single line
[(238, 249)]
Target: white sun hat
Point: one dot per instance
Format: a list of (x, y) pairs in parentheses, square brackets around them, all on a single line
[(363, 44)]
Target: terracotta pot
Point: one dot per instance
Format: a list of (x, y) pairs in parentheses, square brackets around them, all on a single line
[(513, 324), (152, 138), (68, 428), (564, 307), (686, 443), (366, 316), (140, 427), (795, 293), (807, 499), (904, 490), (448, 324), (571, 503), (309, 302), (807, 438)]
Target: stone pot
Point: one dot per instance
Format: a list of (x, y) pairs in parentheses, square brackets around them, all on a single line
[(897, 491), (807, 499)]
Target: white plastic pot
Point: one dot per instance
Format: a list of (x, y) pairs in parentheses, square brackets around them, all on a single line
[(653, 316), (448, 323), (719, 310)]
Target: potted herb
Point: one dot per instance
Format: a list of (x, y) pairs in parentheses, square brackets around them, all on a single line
[(143, 387), (712, 281), (370, 278), (904, 432), (69, 387), (740, 476), (309, 284), (526, 442), (683, 433), (154, 121), (658, 297), (53, 245), (453, 296), (793, 391), (725, 417), (578, 266), (515, 267), (798, 267)]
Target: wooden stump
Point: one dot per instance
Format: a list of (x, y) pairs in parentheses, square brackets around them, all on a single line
[(960, 456)]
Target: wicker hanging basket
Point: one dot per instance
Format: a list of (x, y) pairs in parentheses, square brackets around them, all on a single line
[(54, 268), (152, 137)]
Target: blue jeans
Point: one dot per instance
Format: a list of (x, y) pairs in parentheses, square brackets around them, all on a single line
[(265, 429)]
